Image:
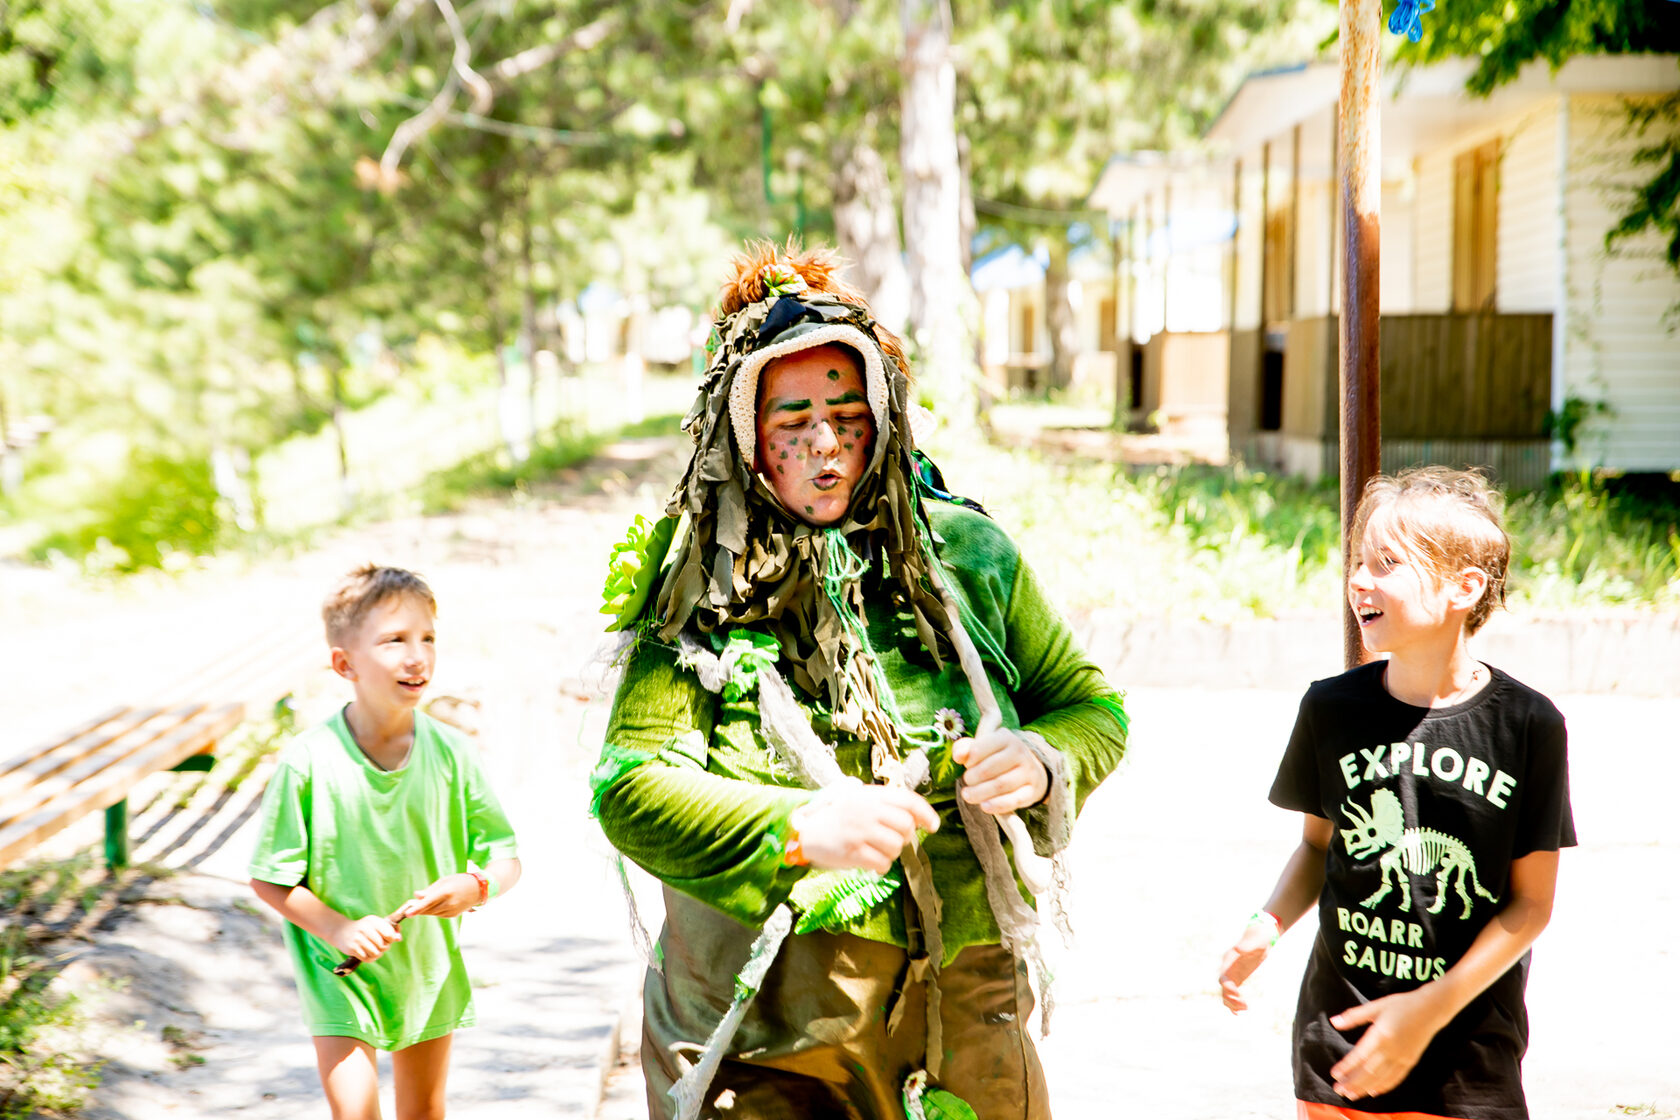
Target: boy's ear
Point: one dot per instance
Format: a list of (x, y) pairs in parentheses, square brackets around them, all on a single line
[(341, 664), (1469, 587)]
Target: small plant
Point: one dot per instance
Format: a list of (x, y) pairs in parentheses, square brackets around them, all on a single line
[(1564, 424), (34, 1077)]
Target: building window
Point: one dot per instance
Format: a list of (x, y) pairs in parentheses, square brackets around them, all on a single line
[(1279, 298), (1475, 227)]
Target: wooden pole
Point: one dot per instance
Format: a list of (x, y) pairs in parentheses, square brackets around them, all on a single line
[(1359, 163)]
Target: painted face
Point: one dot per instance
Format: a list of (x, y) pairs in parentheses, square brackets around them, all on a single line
[(815, 431), (392, 654), (1397, 600)]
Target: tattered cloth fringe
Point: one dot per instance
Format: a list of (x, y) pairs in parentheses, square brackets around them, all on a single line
[(1017, 922)]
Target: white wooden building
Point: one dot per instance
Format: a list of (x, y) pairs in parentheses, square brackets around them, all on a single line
[(1500, 301)]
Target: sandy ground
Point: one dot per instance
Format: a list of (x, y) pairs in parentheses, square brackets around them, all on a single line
[(188, 992)]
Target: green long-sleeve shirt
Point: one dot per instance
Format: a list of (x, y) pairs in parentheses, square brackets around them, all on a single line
[(708, 813)]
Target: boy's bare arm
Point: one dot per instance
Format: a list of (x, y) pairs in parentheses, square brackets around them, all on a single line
[(453, 895), (1296, 891), (365, 938), (1401, 1025)]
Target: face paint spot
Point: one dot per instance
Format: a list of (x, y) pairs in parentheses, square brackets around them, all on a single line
[(834, 375), (784, 454), (848, 447), (781, 469), (808, 509)]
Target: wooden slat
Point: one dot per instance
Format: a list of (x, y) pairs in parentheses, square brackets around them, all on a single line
[(89, 762), (23, 757), (27, 770), (123, 767)]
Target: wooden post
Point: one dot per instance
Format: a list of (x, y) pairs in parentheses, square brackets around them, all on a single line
[(1291, 283), (1265, 223), (116, 835), (1359, 164), (1167, 249), (1236, 233)]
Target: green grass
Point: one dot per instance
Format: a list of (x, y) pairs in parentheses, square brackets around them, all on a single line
[(492, 472), (1228, 542)]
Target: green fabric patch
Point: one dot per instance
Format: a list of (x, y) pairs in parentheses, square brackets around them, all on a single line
[(1111, 705), (614, 764)]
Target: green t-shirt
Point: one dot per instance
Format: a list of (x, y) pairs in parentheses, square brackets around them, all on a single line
[(364, 840)]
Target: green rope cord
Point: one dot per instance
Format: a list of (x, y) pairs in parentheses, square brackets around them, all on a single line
[(842, 566)]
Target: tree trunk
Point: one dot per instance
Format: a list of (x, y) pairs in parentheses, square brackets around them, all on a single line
[(866, 232), (943, 308), (346, 488), (9, 474), (1058, 315), (507, 406), (528, 324)]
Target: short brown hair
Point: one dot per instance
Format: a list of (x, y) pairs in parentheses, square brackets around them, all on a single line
[(365, 588), (1451, 520)]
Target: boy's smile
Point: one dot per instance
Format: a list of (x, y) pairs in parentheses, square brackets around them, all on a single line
[(392, 654)]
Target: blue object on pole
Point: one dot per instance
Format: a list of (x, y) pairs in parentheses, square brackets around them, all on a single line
[(1407, 20)]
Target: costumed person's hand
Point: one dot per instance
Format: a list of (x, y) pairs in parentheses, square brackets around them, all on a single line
[(1241, 959), (1401, 1025), (448, 897), (367, 938), (1002, 773), (858, 825)]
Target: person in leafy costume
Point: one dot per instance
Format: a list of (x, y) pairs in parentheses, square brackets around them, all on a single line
[(851, 738)]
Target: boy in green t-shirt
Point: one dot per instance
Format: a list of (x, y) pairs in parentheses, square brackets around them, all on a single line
[(371, 820)]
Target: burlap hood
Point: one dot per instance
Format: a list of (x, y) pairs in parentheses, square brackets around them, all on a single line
[(743, 559)]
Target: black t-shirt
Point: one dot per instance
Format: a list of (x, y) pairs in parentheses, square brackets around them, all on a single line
[(1429, 808)]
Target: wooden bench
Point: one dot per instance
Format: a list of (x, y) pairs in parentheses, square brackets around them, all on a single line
[(96, 765)]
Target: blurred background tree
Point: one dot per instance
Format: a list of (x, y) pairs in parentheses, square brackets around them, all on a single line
[(235, 223)]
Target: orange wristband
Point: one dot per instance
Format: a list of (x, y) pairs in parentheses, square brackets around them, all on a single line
[(793, 854), (483, 887)]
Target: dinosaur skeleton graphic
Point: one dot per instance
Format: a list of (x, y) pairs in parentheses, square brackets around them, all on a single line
[(1411, 851)]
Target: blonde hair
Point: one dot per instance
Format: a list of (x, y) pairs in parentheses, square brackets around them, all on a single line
[(365, 588), (1449, 520)]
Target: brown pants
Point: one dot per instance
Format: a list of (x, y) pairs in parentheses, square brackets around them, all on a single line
[(816, 1044)]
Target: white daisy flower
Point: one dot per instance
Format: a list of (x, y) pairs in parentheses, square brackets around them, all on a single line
[(948, 722)]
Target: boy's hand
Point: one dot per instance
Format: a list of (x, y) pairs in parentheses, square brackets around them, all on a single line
[(450, 896), (1240, 961), (1401, 1025), (1003, 774), (367, 938), (858, 825)]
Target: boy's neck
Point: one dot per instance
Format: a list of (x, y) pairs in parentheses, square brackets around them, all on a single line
[(384, 736), (1436, 678)]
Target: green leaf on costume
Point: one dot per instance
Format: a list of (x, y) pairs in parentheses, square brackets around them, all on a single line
[(633, 567), (747, 652), (845, 897), (937, 1104)]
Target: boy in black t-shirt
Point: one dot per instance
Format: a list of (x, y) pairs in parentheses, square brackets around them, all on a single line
[(1435, 794)]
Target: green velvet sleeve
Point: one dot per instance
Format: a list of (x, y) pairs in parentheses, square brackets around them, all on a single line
[(716, 838), (1062, 695)]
